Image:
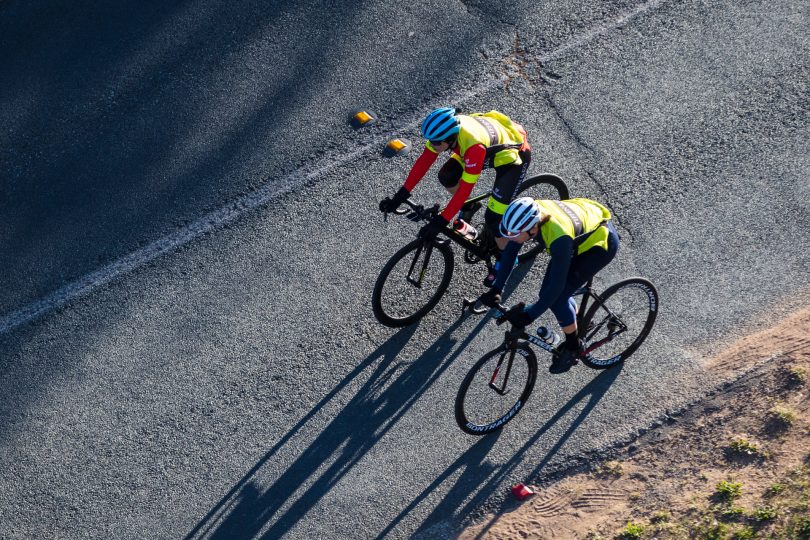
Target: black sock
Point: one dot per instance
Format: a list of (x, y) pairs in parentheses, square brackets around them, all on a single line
[(572, 341)]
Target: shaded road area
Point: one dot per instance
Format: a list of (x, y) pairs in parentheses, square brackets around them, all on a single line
[(239, 386)]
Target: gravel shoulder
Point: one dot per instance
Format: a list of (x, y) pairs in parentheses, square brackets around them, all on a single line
[(734, 465)]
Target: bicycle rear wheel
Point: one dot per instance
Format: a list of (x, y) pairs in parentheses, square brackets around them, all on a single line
[(495, 389), (543, 186), (616, 326), (412, 282)]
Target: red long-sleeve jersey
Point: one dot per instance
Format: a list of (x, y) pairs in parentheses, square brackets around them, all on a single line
[(473, 164)]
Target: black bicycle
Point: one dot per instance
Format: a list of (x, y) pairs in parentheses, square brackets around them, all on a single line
[(613, 326), (416, 277)]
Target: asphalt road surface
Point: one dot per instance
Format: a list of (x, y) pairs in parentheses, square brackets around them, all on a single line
[(234, 383)]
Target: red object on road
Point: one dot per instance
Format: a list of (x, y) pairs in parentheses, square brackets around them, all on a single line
[(522, 491)]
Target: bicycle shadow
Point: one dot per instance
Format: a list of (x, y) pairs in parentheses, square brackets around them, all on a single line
[(595, 390), (475, 470), (371, 413), (247, 508), (476, 474), (246, 493)]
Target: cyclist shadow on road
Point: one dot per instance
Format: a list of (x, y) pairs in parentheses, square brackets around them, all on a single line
[(493, 477), (390, 391)]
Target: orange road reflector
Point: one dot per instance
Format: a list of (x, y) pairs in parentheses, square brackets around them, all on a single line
[(362, 118), (397, 147)]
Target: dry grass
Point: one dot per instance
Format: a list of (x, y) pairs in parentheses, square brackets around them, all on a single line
[(737, 471)]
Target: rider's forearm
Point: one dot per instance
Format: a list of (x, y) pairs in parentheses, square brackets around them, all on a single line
[(420, 168), (457, 200), (508, 256), (562, 251)]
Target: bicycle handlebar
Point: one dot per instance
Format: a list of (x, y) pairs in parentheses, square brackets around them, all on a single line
[(420, 211)]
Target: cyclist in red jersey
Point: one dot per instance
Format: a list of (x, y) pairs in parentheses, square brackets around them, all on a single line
[(476, 141)]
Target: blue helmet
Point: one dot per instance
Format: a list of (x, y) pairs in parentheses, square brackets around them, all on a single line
[(440, 124)]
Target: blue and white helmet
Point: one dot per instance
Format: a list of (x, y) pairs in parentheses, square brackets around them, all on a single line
[(440, 124), (521, 215)]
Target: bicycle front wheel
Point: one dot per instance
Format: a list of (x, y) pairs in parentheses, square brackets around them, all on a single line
[(616, 326), (496, 389), (543, 186), (412, 282)]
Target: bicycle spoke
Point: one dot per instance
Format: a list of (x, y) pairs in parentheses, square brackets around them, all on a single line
[(407, 292), (495, 389), (616, 326), (411, 283)]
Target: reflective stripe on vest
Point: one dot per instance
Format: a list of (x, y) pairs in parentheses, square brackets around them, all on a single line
[(474, 131), (572, 216), (590, 231), (491, 131)]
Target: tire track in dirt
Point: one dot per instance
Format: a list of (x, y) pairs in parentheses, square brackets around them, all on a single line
[(671, 467)]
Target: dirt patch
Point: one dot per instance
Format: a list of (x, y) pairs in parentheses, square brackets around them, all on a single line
[(734, 466)]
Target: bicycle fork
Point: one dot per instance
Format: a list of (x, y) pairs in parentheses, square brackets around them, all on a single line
[(501, 390), (417, 282)]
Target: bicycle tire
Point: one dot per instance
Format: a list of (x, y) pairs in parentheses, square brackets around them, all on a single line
[(552, 180), (479, 378), (387, 314), (559, 191), (625, 295)]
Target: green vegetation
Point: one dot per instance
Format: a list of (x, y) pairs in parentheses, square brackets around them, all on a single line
[(801, 527), (750, 503), (713, 530), (610, 468), (782, 512), (796, 375), (728, 491), (781, 417), (733, 512), (743, 533), (744, 447), (765, 513), (631, 531), (660, 516)]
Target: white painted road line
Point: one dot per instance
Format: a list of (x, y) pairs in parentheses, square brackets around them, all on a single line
[(262, 196)]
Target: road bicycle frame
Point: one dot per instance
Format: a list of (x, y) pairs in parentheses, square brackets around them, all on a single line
[(419, 213), (587, 293)]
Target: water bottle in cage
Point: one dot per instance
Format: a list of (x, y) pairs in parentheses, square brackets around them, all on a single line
[(549, 336), (465, 228)]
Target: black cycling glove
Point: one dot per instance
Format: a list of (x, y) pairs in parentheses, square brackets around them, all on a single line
[(491, 298), (518, 317), (389, 204), (429, 231)]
